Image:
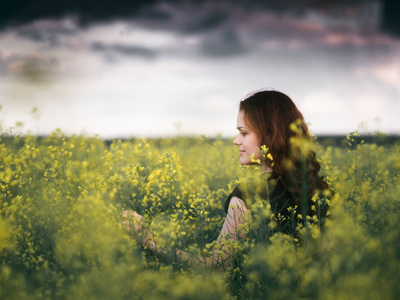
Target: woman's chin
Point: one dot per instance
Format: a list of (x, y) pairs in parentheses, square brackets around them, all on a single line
[(244, 161), (247, 162)]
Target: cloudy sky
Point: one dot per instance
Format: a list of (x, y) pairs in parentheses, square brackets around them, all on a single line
[(155, 68)]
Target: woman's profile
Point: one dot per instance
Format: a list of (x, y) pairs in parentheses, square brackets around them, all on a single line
[(268, 123)]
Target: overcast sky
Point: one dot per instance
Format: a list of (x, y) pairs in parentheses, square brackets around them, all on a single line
[(153, 68)]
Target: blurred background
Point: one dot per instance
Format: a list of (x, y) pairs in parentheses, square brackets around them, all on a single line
[(127, 68)]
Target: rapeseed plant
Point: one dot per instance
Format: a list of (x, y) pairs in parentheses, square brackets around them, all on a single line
[(61, 235)]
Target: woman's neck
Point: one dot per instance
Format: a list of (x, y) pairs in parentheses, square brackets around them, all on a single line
[(265, 169)]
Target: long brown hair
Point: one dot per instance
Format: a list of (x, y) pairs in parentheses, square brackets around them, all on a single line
[(270, 115)]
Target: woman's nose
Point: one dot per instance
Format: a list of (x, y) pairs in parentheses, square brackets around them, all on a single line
[(236, 141)]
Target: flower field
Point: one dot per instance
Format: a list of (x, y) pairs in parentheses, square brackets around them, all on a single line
[(61, 235)]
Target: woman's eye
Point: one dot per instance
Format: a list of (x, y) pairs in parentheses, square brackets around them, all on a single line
[(243, 133)]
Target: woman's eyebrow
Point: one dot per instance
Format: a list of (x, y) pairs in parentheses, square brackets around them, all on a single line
[(240, 128)]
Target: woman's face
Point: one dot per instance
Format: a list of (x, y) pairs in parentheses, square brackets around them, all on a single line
[(247, 141)]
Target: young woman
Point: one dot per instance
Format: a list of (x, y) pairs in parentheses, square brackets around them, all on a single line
[(267, 120)]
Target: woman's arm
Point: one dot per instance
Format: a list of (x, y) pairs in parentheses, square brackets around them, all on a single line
[(231, 232), (221, 256), (132, 222)]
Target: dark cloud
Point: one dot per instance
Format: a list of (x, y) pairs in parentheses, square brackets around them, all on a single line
[(391, 17), (19, 12), (153, 13), (225, 43), (208, 22), (189, 19), (114, 51), (47, 32)]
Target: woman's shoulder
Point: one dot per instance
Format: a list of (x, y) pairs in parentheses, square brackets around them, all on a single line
[(237, 192)]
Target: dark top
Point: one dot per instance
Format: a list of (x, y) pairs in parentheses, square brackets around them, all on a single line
[(281, 202)]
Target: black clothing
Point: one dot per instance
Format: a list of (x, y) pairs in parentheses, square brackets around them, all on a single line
[(282, 206)]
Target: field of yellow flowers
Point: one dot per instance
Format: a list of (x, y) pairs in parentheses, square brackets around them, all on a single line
[(61, 235)]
